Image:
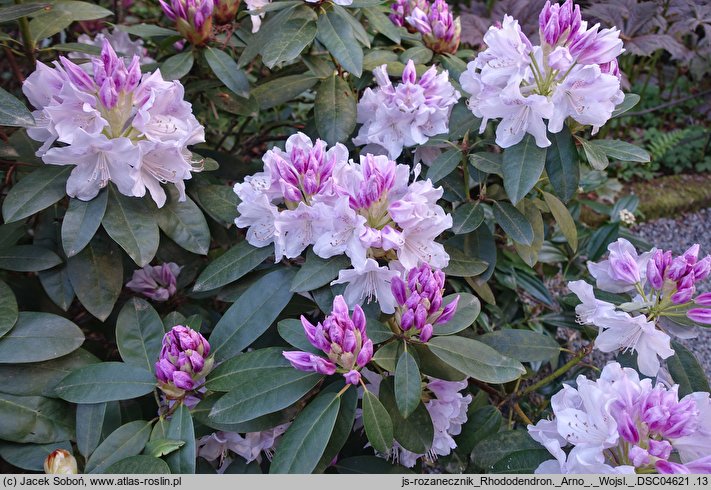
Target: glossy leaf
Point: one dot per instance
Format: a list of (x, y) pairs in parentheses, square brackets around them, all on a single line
[(81, 221), (416, 432), (28, 258), (343, 428), (621, 150), (481, 423), (686, 371), (443, 165), (105, 382), (184, 223), (12, 12), (96, 274), (13, 112), (317, 272), (408, 389), (232, 373), (139, 334), (337, 36), (231, 265), (490, 163), (501, 444), (513, 222), (468, 310), (562, 164), (379, 22), (227, 71), (335, 110), (30, 456), (131, 224), (522, 166), (177, 66), (128, 440), (219, 201), (597, 158), (181, 428), (292, 331), (251, 314), (283, 89), (476, 359), (522, 345), (467, 218), (463, 265), (39, 337), (289, 41), (162, 447), (563, 218), (139, 464), (8, 309), (377, 422)]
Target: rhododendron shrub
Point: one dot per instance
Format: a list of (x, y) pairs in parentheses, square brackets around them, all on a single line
[(230, 227)]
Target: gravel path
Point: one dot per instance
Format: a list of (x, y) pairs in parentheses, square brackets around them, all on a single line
[(678, 235)]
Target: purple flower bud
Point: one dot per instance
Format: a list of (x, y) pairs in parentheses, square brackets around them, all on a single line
[(397, 286), (359, 320), (407, 320), (77, 76), (700, 315), (654, 275), (627, 427), (426, 333), (183, 361), (623, 267), (420, 317), (156, 282), (660, 449), (703, 299), (305, 361), (365, 354), (448, 311), (352, 377), (692, 254), (183, 380), (590, 47), (702, 268), (677, 269), (108, 94), (409, 74), (558, 22), (683, 296)]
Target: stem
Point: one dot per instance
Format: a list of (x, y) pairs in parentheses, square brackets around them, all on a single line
[(522, 414), (27, 41), (560, 371), (344, 390)]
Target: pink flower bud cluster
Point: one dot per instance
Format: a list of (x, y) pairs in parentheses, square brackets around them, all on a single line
[(184, 361), (157, 282), (407, 114), (661, 289), (419, 302), (309, 194), (342, 338), (573, 74), (440, 31), (621, 424), (117, 125), (193, 18)]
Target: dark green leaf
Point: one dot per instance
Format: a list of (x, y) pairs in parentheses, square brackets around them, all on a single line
[(379, 22), (227, 71), (367, 465), (139, 333), (13, 112), (104, 382), (337, 36), (177, 66), (89, 422), (621, 150), (513, 222), (387, 356), (8, 309), (184, 223), (284, 89), (468, 310), (476, 359), (344, 424), (522, 167), (30, 456), (12, 12), (563, 218), (686, 371), (522, 345), (335, 110), (219, 201), (443, 165), (433, 366), (408, 388), (317, 272), (490, 163), (35, 192), (35, 419), (292, 331), (601, 238), (181, 428), (306, 439), (501, 444), (467, 218), (81, 221), (251, 314), (377, 422), (521, 462), (463, 265), (481, 423), (28, 258), (479, 244), (289, 41), (96, 274), (147, 30), (231, 373), (128, 440), (230, 266), (255, 394), (562, 164), (631, 100), (39, 337), (130, 222), (414, 433), (139, 464)]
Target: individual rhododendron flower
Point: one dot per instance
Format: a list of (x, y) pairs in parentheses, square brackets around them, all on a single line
[(440, 31), (157, 282), (120, 41), (184, 361), (342, 338), (572, 74), (217, 446), (193, 18), (60, 462), (621, 424), (225, 11), (419, 301), (117, 124), (407, 114), (660, 289)]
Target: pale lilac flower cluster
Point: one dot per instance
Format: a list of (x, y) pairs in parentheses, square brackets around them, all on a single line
[(193, 18), (407, 114), (660, 289), (621, 424), (121, 43), (311, 195), (117, 125), (216, 447), (573, 73), (342, 338), (419, 302), (184, 361), (157, 282)]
